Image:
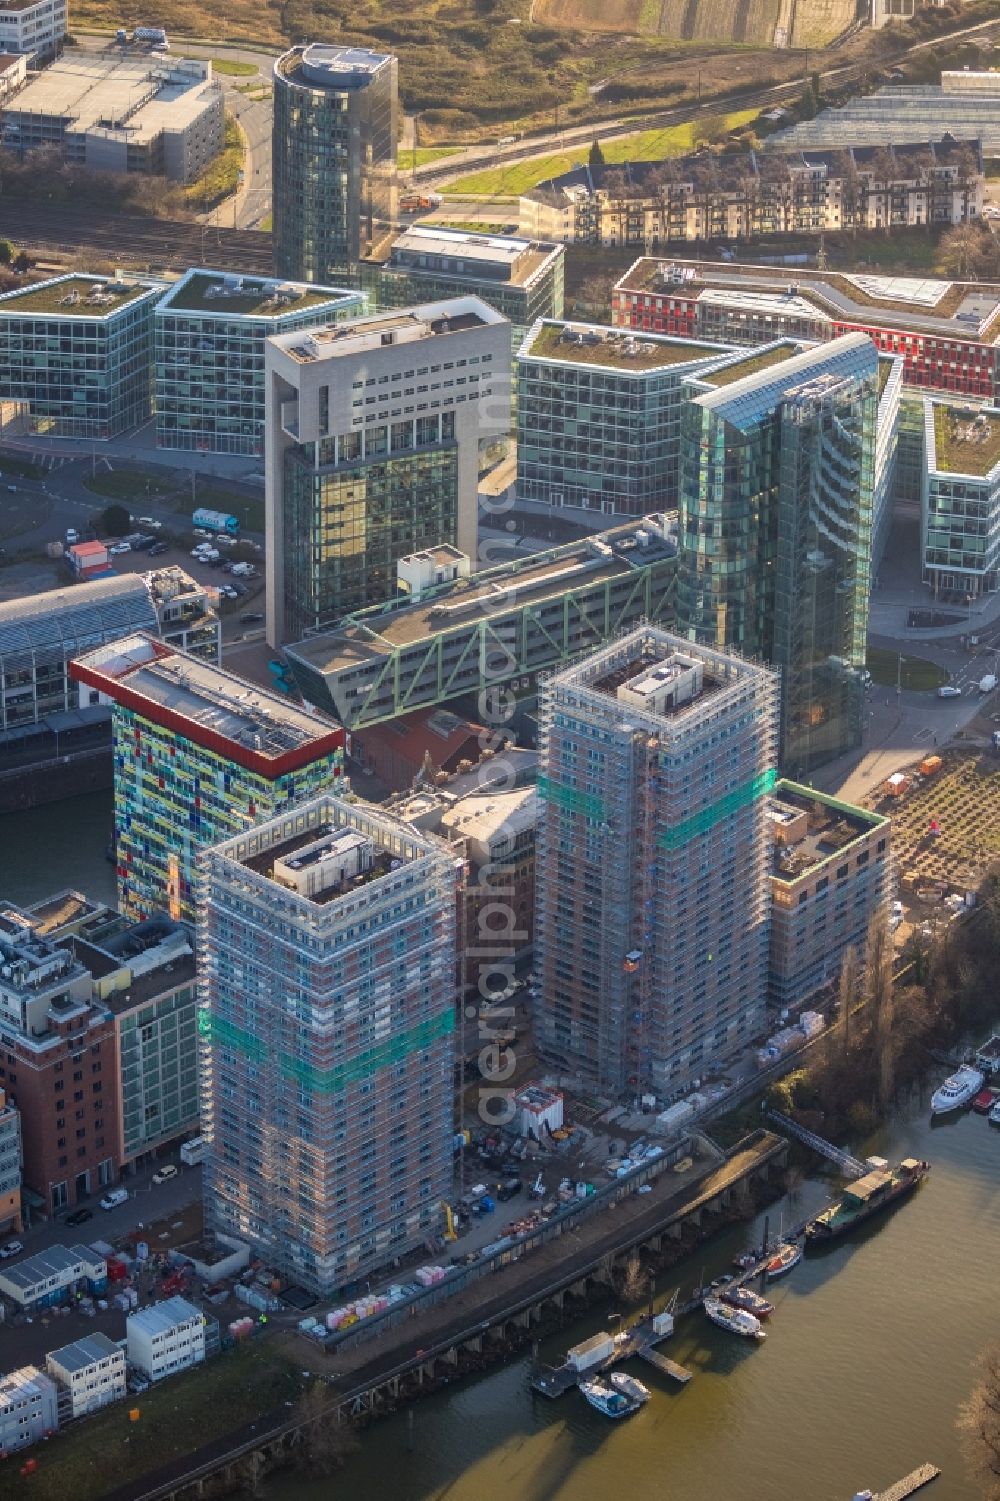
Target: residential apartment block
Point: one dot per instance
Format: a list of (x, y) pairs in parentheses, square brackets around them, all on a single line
[(41, 633), (490, 631), (961, 501), (652, 861), (10, 1165), (831, 875), (77, 349), (89, 1373), (329, 990), (143, 977), (209, 335), (28, 1408), (599, 417), (155, 114), (522, 278), (199, 754), (709, 197), (374, 434), (945, 332), (184, 617), (775, 531), (333, 153), (33, 26), (57, 1064), (165, 1338)]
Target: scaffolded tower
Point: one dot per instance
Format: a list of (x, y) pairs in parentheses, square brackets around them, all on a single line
[(327, 973), (652, 860)]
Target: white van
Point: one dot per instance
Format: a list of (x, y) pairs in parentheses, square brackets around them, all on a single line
[(114, 1197)]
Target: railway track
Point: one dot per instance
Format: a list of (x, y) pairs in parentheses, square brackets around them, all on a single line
[(156, 244)]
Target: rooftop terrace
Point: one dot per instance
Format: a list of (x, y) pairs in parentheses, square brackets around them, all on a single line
[(952, 308), (966, 441), (74, 297), (811, 829), (752, 364), (206, 703), (587, 344), (230, 296)]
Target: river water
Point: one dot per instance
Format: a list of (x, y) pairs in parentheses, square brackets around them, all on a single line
[(60, 845), (869, 1353), (868, 1356)]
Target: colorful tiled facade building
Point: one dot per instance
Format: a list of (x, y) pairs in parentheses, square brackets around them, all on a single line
[(200, 755)]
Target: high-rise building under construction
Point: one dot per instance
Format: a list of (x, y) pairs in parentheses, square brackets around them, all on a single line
[(328, 947), (652, 860)]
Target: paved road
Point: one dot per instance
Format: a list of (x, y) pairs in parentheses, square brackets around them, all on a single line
[(147, 1201)]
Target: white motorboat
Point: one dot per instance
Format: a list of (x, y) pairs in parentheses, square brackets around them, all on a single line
[(994, 1115), (606, 1400), (957, 1091), (630, 1386), (736, 1320)]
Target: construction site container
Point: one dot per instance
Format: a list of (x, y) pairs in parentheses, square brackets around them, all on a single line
[(591, 1352)]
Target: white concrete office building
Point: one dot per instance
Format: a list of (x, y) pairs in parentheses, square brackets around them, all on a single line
[(374, 433)]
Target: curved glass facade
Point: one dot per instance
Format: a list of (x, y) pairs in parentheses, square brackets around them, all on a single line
[(333, 158)]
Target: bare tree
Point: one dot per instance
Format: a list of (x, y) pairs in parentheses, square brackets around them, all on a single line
[(878, 998), (847, 991), (979, 1425), (327, 1438), (633, 1282)]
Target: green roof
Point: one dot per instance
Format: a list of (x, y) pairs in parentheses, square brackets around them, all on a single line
[(966, 441), (750, 365), (74, 297), (258, 297), (643, 353)]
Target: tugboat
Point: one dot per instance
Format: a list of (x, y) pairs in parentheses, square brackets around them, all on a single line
[(736, 1320), (746, 1298), (630, 1386), (607, 1401), (785, 1258), (866, 1197), (957, 1091)]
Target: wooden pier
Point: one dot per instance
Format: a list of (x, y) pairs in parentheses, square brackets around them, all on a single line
[(640, 1342), (909, 1485), (665, 1366)]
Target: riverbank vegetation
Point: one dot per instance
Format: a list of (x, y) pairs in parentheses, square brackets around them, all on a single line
[(979, 1425), (889, 1030)]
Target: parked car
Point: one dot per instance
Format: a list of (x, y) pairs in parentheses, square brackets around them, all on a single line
[(164, 1174), (199, 531), (118, 547), (250, 617), (115, 1197), (72, 535), (948, 690), (149, 521), (158, 548), (79, 1217), (12, 1248)]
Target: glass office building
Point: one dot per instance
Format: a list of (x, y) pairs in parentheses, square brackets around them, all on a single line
[(78, 350), (374, 434), (209, 332), (961, 501), (333, 158), (599, 417), (775, 537)]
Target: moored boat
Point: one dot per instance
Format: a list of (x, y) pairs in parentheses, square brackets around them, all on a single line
[(958, 1090), (866, 1197), (983, 1102), (735, 1320), (630, 1386), (746, 1298), (785, 1258), (606, 1400), (994, 1115)]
